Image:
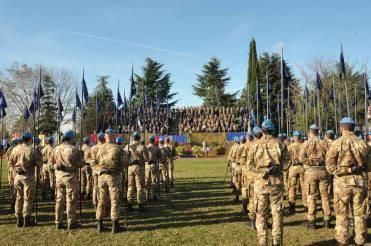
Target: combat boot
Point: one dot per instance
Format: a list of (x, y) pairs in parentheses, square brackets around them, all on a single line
[(83, 194), (59, 226), (251, 224), (43, 195), (27, 221), (310, 224), (19, 221), (141, 208), (115, 226), (52, 196), (73, 225), (292, 208), (327, 224), (167, 189), (12, 207), (130, 207), (100, 227), (244, 206), (88, 197), (172, 183)]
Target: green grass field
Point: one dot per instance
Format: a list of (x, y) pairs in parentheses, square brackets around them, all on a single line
[(198, 211)]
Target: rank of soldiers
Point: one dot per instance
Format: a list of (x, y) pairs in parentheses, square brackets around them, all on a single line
[(263, 167), (105, 173)]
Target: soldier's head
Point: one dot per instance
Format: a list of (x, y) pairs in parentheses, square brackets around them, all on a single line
[(296, 136), (268, 127), (161, 140), (136, 136), (86, 140), (330, 134), (358, 132), (369, 137), (257, 131), (109, 135), (27, 138), (347, 124), (167, 140), (119, 141), (50, 140), (36, 140), (151, 139), (250, 136), (68, 136), (313, 130), (100, 137), (243, 140)]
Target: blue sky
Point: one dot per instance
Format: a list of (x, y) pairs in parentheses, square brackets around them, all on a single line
[(106, 37)]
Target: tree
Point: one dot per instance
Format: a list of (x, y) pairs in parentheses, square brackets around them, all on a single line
[(106, 114), (48, 112), (211, 85), (156, 80)]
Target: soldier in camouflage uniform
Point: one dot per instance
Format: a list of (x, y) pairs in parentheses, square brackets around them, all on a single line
[(329, 139), (312, 155), (120, 143), (48, 177), (136, 172), (67, 159), (152, 172), (24, 159), (296, 173), (95, 167), (163, 165), (369, 171), (267, 157), (233, 162), (170, 161), (11, 174), (111, 161), (347, 161), (86, 172)]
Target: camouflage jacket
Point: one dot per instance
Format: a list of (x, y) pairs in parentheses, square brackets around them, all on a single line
[(154, 153), (24, 158), (86, 150), (46, 153), (68, 157), (112, 157), (313, 153), (294, 153)]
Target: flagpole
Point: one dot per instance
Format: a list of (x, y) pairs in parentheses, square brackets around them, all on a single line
[(288, 111), (319, 106), (345, 84), (366, 102), (335, 106), (355, 103), (267, 77), (257, 101), (281, 110), (306, 106)]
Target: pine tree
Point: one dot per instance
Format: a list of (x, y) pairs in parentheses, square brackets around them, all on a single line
[(48, 121), (211, 85)]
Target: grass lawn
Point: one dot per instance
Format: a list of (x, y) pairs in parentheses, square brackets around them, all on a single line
[(198, 211)]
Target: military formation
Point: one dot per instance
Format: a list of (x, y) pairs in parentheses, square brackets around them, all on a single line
[(334, 171), (106, 174)]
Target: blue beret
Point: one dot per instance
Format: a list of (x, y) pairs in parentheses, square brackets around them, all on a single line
[(50, 139), (314, 127), (136, 135), (151, 138), (100, 136), (27, 135), (69, 134), (110, 131), (296, 133), (86, 140), (268, 124), (347, 121), (162, 139), (257, 130), (119, 140), (36, 140)]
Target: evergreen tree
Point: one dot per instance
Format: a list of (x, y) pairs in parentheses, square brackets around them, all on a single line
[(48, 121), (211, 85)]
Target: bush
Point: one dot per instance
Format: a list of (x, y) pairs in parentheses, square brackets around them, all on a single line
[(196, 150), (180, 150), (220, 150)]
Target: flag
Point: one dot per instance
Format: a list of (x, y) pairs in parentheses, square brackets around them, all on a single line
[(40, 90), (125, 102), (306, 94), (332, 93), (119, 98), (73, 118), (85, 93), (60, 107), (252, 120), (36, 100), (342, 64), (313, 103), (32, 107), (133, 87), (98, 106), (78, 102), (286, 74), (3, 103), (367, 88), (319, 83), (26, 113)]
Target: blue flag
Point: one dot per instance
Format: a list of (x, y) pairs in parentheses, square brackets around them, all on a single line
[(342, 64), (367, 86), (26, 113), (73, 118), (32, 108), (119, 98), (332, 93), (319, 83), (306, 94), (85, 93), (60, 107), (125, 101), (3, 103), (313, 100), (286, 74), (77, 99), (36, 100), (133, 87)]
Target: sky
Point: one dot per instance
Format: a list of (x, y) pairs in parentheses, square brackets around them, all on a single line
[(107, 37)]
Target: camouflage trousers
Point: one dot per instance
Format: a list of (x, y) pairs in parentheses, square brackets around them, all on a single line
[(151, 181), (265, 195), (25, 188), (369, 193), (237, 175), (346, 199), (67, 190), (95, 176), (48, 177), (285, 181), (109, 184), (317, 182), (136, 180), (12, 189), (247, 191), (164, 175), (86, 176), (296, 176), (171, 169)]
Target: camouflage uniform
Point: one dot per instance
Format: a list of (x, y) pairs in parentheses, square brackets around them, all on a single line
[(152, 172), (331, 177), (350, 188), (369, 177), (86, 172), (171, 162), (67, 159), (163, 166), (111, 160), (24, 159), (48, 177), (236, 170), (11, 175), (312, 155), (136, 172), (296, 174), (248, 175), (267, 154), (95, 172)]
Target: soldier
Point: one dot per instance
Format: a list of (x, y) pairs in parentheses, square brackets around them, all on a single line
[(329, 139), (312, 156), (111, 159), (86, 172), (163, 165), (369, 170), (267, 157), (24, 159), (38, 148), (170, 161), (347, 161), (120, 143), (152, 172), (136, 172), (282, 137), (67, 159), (232, 162), (11, 174), (296, 173), (95, 168), (238, 169), (48, 177)]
